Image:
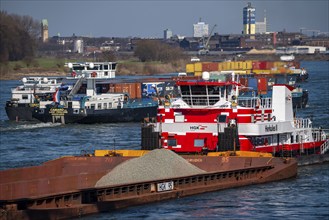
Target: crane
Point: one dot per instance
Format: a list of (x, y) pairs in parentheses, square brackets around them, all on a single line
[(205, 48)]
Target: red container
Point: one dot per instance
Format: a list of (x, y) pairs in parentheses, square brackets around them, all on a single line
[(269, 65), (244, 81), (262, 84), (262, 65), (210, 66)]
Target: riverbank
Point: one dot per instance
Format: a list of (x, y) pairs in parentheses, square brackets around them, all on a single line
[(126, 67)]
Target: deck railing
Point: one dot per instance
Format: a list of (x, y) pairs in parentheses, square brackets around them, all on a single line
[(324, 147), (302, 123), (253, 102)]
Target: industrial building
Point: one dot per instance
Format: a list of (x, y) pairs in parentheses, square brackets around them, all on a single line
[(167, 34), (200, 29), (261, 26), (249, 20)]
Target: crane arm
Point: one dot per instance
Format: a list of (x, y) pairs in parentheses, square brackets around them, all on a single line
[(207, 43)]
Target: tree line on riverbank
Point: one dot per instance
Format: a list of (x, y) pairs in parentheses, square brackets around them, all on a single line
[(20, 42), (18, 37)]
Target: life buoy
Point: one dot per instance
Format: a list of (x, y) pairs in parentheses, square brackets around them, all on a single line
[(93, 74)]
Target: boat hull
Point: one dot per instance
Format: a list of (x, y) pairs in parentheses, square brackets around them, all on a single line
[(90, 116), (19, 112), (64, 188)]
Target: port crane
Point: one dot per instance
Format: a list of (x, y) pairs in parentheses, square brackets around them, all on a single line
[(205, 48)]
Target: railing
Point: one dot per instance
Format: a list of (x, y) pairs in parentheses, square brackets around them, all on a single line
[(302, 123), (324, 147), (252, 102)]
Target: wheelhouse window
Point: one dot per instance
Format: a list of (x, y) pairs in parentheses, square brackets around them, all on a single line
[(172, 142), (25, 97), (94, 68), (78, 68), (179, 118), (198, 142)]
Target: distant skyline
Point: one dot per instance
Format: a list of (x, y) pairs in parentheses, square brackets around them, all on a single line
[(123, 18)]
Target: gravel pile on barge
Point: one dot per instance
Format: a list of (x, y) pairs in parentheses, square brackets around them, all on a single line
[(157, 164)]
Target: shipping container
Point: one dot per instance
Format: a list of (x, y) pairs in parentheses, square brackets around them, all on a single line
[(244, 81), (220, 66), (252, 83), (255, 65), (230, 65), (247, 65), (279, 64), (263, 71), (224, 66), (269, 65), (198, 73), (234, 65), (198, 67), (132, 89), (211, 66), (262, 84), (190, 68)]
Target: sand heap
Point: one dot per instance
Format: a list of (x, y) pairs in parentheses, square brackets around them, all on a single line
[(157, 164)]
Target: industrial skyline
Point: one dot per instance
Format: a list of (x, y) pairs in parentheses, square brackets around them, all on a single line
[(129, 18)]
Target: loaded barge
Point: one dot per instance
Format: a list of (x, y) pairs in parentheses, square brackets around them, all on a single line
[(70, 186)]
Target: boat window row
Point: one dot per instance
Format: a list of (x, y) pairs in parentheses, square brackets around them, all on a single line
[(110, 66), (99, 106), (172, 142), (272, 140)]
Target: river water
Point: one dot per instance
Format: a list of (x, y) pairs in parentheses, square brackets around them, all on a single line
[(304, 197)]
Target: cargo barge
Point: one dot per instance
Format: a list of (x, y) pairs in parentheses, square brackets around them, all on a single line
[(67, 187)]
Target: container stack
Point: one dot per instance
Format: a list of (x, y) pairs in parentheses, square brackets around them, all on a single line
[(246, 67)]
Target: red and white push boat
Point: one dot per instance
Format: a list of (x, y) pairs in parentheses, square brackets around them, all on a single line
[(210, 116)]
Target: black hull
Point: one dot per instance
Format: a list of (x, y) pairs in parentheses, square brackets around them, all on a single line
[(90, 116), (21, 112)]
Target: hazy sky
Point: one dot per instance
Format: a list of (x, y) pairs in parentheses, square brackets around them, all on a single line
[(123, 18)]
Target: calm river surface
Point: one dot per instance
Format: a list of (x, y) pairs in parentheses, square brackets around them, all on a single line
[(306, 197)]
